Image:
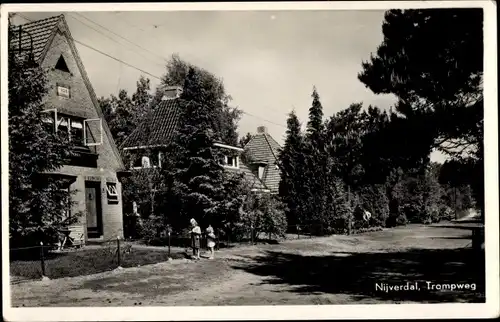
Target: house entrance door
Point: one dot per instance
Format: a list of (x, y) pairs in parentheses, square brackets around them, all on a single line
[(94, 210)]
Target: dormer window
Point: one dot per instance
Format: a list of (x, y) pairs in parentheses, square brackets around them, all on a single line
[(261, 171), (232, 161), (145, 162), (61, 65)]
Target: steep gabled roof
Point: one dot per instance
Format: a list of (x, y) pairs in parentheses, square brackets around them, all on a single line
[(43, 32), (40, 32), (264, 149), (157, 128)]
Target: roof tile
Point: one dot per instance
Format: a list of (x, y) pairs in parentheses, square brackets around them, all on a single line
[(263, 148), (158, 127), (40, 32)]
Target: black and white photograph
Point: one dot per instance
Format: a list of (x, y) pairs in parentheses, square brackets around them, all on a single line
[(249, 160)]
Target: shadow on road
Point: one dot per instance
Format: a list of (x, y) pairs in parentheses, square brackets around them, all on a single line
[(356, 274)]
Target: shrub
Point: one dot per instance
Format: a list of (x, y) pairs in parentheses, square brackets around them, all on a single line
[(265, 213), (132, 226), (374, 199), (368, 229), (401, 220), (417, 197), (154, 231)]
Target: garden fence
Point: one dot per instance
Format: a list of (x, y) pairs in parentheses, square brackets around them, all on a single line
[(48, 261)]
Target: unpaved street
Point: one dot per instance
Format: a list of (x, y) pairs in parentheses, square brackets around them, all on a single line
[(329, 270)]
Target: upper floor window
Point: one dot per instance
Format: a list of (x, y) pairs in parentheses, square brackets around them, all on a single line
[(147, 160), (77, 130), (231, 161), (61, 65), (146, 163)]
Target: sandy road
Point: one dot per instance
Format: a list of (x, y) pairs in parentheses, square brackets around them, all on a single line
[(328, 270)]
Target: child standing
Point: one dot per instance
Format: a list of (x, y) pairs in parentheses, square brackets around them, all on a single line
[(210, 240), (195, 238)]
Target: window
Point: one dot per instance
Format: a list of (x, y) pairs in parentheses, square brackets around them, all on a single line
[(62, 126), (145, 162), (69, 127), (92, 132), (48, 119), (76, 132), (111, 193), (154, 159), (61, 65), (232, 161), (161, 155), (261, 172)]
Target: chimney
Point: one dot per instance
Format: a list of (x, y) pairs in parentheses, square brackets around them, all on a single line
[(171, 92), (262, 129)]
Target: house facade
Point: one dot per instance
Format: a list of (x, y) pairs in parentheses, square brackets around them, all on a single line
[(145, 146), (263, 151), (93, 174)]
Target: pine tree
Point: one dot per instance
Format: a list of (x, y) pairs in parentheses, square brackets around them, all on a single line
[(315, 123), (316, 165), (291, 163), (198, 175), (37, 203)]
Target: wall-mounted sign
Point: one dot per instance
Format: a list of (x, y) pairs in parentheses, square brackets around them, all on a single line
[(109, 179), (92, 178), (62, 91)]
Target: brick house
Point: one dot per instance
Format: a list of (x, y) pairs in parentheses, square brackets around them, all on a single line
[(263, 151), (75, 113), (145, 146)]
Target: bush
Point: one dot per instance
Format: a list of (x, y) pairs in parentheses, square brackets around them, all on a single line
[(265, 213), (368, 229), (154, 231), (417, 197), (374, 199), (401, 220), (132, 226)]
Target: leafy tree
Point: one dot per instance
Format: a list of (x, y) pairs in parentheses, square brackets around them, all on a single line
[(266, 214), (38, 203), (119, 114), (176, 73), (440, 95), (373, 198), (417, 197), (345, 131), (124, 113), (141, 100), (245, 139)]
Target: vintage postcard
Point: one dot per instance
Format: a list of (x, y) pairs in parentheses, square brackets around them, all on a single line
[(279, 160)]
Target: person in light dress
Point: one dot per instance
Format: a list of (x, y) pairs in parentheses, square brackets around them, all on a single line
[(210, 241), (195, 238)]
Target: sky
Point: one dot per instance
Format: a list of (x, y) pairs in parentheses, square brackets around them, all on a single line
[(269, 60)]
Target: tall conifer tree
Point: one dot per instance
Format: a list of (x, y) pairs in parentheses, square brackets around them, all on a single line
[(291, 160), (198, 174)]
